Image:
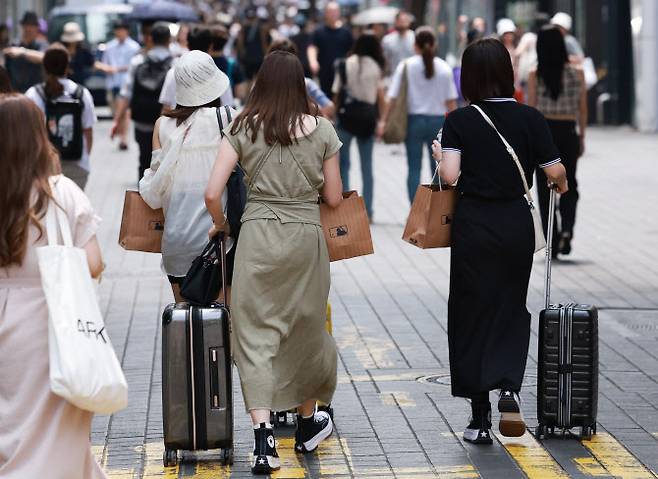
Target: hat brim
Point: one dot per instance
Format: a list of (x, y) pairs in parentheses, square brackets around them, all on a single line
[(72, 37), (209, 92)]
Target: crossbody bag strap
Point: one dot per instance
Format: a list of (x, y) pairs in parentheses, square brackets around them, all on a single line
[(511, 152)]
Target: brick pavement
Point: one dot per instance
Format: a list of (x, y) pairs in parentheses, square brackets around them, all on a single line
[(394, 413)]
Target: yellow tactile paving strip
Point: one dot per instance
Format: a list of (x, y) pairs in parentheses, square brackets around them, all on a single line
[(532, 458), (616, 459)]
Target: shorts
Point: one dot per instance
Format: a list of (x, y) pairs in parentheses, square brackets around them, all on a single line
[(230, 264)]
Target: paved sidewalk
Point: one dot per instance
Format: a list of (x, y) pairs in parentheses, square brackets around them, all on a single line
[(394, 413)]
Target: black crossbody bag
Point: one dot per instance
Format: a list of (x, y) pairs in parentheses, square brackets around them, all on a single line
[(355, 116)]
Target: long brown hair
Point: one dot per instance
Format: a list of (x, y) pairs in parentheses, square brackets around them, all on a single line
[(56, 65), (426, 41), (278, 101), (27, 160)]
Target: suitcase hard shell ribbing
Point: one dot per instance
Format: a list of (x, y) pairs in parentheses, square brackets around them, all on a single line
[(568, 361), (197, 383)]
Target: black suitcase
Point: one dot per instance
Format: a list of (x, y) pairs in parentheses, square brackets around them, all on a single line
[(568, 362), (197, 386)]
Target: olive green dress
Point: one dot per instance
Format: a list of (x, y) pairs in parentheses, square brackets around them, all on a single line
[(281, 278)]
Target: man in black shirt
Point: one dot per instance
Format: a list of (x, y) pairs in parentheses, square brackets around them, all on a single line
[(23, 60), (329, 43)]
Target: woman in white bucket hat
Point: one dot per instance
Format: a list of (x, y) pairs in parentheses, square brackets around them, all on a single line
[(185, 144)]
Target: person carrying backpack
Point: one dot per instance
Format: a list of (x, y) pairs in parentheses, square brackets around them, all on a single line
[(70, 115), (141, 92)]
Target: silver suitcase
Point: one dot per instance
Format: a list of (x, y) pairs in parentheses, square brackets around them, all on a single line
[(197, 387)]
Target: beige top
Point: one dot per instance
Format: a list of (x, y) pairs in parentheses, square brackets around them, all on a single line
[(41, 434), (364, 78)]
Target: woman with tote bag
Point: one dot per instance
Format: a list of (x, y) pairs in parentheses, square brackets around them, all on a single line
[(41, 434), (493, 234)]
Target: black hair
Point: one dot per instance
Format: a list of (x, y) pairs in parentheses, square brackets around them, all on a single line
[(5, 83), (120, 23), (160, 34), (219, 36), (426, 43), (486, 71), (182, 113), (368, 45), (551, 59), (199, 38)]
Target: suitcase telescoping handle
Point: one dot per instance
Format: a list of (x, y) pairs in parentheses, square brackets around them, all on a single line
[(222, 252), (549, 247)]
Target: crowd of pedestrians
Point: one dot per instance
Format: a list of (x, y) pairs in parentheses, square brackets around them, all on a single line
[(282, 106)]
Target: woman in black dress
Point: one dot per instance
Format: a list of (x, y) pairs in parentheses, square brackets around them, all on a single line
[(493, 236)]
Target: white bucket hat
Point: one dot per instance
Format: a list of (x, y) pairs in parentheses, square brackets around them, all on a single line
[(563, 20), (72, 33), (505, 25), (198, 80)]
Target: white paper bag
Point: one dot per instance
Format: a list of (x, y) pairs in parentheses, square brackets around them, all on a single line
[(84, 368)]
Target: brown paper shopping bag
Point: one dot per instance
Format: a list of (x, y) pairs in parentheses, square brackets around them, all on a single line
[(346, 228), (430, 218), (141, 225)]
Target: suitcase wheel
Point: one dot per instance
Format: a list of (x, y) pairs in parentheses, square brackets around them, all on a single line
[(586, 432), (327, 408), (282, 417), (227, 456), (541, 431), (170, 457)]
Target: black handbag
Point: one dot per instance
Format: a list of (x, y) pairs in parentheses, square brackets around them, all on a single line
[(236, 190), (355, 116), (207, 274)]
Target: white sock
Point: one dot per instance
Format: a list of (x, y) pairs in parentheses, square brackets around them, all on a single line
[(268, 425)]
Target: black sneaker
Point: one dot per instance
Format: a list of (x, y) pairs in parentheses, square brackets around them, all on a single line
[(312, 431), (478, 430), (265, 458), (511, 420)]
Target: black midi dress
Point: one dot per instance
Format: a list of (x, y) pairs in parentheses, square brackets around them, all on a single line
[(493, 244)]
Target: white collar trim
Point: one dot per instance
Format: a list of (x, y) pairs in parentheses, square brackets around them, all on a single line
[(500, 99)]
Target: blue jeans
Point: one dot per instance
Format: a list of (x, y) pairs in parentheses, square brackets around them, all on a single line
[(365, 153), (421, 130)]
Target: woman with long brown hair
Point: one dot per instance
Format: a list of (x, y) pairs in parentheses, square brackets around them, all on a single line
[(431, 94), (41, 434), (285, 357)]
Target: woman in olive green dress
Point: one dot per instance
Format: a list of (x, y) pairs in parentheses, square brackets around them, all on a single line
[(284, 355)]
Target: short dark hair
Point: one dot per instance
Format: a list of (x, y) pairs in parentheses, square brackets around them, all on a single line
[(368, 45), (120, 24), (199, 38), (160, 34), (486, 71), (219, 36)]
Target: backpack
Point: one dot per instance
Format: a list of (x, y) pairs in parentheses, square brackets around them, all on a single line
[(236, 191), (64, 122), (357, 117), (149, 78)]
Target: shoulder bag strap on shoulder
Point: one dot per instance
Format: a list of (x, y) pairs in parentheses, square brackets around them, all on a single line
[(218, 112), (41, 91), (511, 152), (79, 91)]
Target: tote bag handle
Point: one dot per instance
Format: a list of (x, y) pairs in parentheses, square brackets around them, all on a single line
[(56, 219)]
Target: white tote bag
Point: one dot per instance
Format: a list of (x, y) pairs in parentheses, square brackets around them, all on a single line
[(84, 368)]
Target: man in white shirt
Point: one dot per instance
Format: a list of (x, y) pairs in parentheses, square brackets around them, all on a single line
[(144, 105), (399, 44), (117, 56)]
